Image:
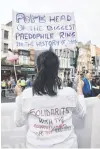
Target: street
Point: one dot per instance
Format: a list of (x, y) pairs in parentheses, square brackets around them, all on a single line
[(86, 129), (10, 97)]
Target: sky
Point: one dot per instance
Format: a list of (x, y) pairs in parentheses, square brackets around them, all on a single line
[(86, 12)]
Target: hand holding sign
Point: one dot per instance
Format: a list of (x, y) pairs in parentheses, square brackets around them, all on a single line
[(18, 90), (80, 85)]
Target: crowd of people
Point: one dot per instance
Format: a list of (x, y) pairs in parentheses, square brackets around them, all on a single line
[(9, 85), (47, 108), (91, 85)]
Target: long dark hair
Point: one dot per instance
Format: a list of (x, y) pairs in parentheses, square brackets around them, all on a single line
[(47, 80)]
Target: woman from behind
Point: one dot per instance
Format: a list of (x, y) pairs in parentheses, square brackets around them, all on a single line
[(46, 109)]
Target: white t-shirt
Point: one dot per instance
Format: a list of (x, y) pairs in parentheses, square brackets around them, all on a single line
[(49, 119)]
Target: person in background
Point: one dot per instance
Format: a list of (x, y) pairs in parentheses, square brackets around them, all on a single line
[(98, 82), (96, 86), (47, 109), (98, 96), (31, 82), (19, 82), (9, 86), (75, 83), (82, 75), (3, 87), (23, 83), (64, 82), (7, 83), (87, 85)]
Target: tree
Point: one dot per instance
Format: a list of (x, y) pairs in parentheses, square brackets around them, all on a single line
[(76, 58)]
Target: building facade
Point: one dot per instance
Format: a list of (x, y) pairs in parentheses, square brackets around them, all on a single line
[(84, 59), (25, 57), (98, 61), (95, 52), (6, 37), (66, 59)]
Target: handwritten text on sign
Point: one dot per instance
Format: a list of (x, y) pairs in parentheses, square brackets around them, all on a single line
[(39, 31)]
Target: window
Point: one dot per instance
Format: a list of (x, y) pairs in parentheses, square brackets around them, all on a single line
[(63, 63), (23, 52), (64, 53), (20, 60), (60, 60), (23, 60), (61, 53), (75, 53), (71, 58), (6, 34), (5, 47), (56, 52)]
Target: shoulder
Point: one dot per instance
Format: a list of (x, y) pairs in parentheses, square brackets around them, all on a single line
[(27, 92), (69, 95), (68, 91)]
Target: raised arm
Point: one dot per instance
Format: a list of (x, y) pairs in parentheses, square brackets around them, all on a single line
[(80, 109)]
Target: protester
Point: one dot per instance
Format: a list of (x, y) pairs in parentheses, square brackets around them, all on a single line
[(65, 82), (19, 82), (47, 109), (9, 86), (28, 82), (3, 87), (96, 86), (98, 96), (87, 87), (7, 83)]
